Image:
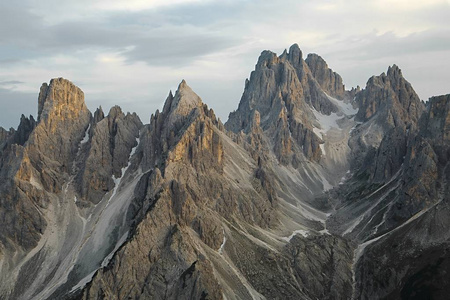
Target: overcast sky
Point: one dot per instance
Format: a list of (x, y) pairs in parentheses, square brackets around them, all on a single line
[(131, 53)]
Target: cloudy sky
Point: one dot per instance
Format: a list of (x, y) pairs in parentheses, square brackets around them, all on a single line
[(132, 52)]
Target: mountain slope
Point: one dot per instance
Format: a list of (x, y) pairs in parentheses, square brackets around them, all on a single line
[(52, 229)]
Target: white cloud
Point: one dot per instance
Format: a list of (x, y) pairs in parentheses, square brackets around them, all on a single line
[(407, 5), (136, 5)]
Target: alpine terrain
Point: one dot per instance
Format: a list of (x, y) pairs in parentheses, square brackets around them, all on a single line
[(308, 191)]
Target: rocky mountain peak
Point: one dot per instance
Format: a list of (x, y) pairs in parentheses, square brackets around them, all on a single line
[(115, 112), (26, 126), (295, 55), (329, 81), (98, 115), (62, 99), (284, 87), (394, 71), (266, 58), (391, 96), (180, 106), (62, 120), (184, 101)]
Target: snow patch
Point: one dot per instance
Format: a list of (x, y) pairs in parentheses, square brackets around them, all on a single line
[(322, 148), (122, 172), (304, 233), (346, 108), (325, 231), (86, 136), (325, 122), (223, 243)]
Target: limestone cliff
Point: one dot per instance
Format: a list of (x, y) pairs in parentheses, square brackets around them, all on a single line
[(284, 90), (388, 103), (329, 81)]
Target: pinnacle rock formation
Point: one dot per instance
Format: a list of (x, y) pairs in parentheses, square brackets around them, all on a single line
[(329, 81), (280, 89), (387, 103)]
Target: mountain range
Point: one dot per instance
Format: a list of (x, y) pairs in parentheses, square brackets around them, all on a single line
[(308, 191)]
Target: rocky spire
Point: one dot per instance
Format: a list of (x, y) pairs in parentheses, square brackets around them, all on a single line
[(329, 81), (98, 115), (182, 104), (392, 97), (62, 120), (168, 102), (60, 98), (184, 101), (283, 83), (295, 56), (111, 139), (26, 126)]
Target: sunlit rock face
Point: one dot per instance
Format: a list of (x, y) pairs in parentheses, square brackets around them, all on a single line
[(302, 194)]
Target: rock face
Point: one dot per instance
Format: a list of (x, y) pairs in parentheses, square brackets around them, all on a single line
[(307, 192), (390, 97), (44, 166), (188, 194), (401, 205), (281, 89), (389, 109), (329, 81), (113, 137), (417, 266)]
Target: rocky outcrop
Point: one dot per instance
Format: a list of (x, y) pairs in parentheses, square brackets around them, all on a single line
[(40, 163), (392, 99), (388, 103), (406, 212), (283, 90), (426, 161), (24, 130), (329, 81), (37, 157), (20, 218), (62, 120), (437, 124), (4, 134), (109, 141)]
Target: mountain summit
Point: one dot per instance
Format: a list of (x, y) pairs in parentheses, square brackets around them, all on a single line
[(309, 191)]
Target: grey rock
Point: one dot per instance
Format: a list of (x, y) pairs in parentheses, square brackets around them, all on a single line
[(283, 90), (329, 81), (111, 140)]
